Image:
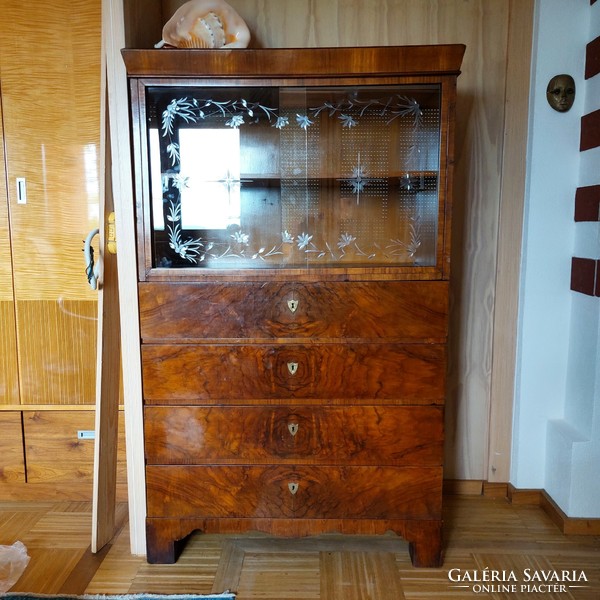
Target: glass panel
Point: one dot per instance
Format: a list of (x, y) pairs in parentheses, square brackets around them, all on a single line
[(294, 177)]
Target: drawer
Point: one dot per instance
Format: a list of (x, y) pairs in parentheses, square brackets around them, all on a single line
[(298, 492), (397, 310), (356, 435), (411, 373)]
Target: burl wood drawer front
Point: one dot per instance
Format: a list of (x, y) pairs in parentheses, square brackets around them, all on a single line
[(184, 374), (403, 311), (300, 492), (357, 435)]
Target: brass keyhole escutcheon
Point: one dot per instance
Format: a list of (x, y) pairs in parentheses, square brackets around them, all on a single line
[(293, 305), (292, 367), (293, 487), (293, 427)]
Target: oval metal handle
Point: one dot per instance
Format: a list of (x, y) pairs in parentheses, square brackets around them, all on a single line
[(293, 487)]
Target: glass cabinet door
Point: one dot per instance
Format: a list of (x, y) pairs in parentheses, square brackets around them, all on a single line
[(293, 177)]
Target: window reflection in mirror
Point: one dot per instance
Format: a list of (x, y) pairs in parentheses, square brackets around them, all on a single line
[(210, 165)]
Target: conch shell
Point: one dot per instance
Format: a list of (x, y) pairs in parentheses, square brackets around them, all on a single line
[(205, 24)]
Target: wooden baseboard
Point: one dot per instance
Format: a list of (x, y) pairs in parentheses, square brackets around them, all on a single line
[(475, 487), (524, 497), (53, 492), (568, 525), (463, 487)]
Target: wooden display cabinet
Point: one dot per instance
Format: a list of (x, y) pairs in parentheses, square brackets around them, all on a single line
[(293, 224)]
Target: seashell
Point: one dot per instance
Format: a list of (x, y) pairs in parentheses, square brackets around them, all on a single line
[(205, 24)]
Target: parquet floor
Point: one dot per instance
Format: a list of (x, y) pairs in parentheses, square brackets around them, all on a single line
[(481, 534)]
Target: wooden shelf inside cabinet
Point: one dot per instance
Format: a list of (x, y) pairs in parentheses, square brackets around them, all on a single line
[(293, 231)]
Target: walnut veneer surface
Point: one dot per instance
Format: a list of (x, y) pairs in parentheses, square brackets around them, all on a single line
[(288, 400)]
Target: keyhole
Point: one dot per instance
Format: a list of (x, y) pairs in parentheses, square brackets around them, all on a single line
[(293, 427), (292, 367), (292, 305), (293, 487)]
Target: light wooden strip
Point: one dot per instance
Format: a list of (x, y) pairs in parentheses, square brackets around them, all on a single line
[(9, 377), (12, 466), (114, 39), (509, 242)]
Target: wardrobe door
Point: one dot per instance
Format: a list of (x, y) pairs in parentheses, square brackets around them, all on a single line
[(50, 74)]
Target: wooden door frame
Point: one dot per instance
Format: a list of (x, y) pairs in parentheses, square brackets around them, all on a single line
[(113, 26), (510, 233)]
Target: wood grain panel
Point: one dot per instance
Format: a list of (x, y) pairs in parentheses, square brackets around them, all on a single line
[(12, 467), (57, 351), (350, 435), (53, 451), (483, 25), (323, 493), (402, 311), (9, 376), (55, 454), (414, 60), (182, 374)]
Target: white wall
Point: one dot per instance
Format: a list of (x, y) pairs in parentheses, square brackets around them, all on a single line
[(556, 394)]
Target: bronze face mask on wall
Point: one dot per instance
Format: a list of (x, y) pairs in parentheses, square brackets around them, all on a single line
[(560, 92)]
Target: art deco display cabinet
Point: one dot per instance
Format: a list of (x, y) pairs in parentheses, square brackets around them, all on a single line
[(293, 224)]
